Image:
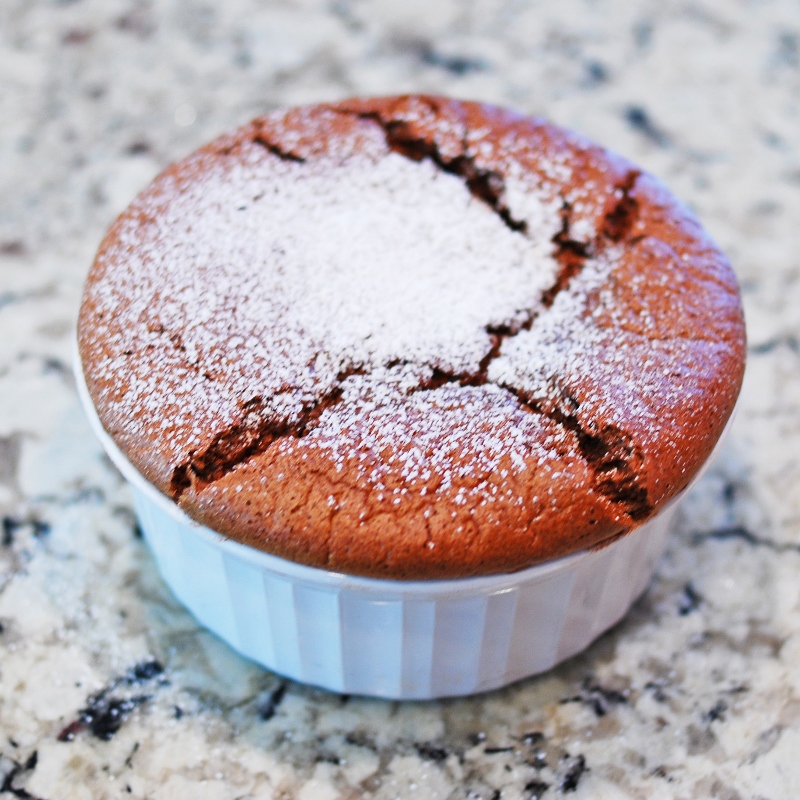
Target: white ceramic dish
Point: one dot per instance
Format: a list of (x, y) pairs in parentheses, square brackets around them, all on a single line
[(386, 638)]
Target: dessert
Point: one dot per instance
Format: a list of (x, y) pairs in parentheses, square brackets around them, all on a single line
[(412, 338)]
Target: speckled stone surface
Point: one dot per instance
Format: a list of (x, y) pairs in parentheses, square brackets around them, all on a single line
[(109, 689)]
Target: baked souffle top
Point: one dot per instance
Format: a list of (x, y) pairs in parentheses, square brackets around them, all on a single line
[(412, 338)]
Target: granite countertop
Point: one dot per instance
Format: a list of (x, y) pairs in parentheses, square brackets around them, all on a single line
[(109, 689)]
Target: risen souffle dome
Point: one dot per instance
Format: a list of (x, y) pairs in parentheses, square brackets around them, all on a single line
[(412, 338)]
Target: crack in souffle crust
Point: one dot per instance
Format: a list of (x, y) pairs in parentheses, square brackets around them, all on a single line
[(412, 338)]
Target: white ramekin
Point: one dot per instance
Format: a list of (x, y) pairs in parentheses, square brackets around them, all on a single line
[(387, 638)]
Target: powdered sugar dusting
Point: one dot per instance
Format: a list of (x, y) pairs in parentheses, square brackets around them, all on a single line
[(270, 280), (435, 438)]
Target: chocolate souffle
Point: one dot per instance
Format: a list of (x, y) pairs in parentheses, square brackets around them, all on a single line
[(412, 338)]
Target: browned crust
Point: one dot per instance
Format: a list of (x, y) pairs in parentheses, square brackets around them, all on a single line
[(261, 481)]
